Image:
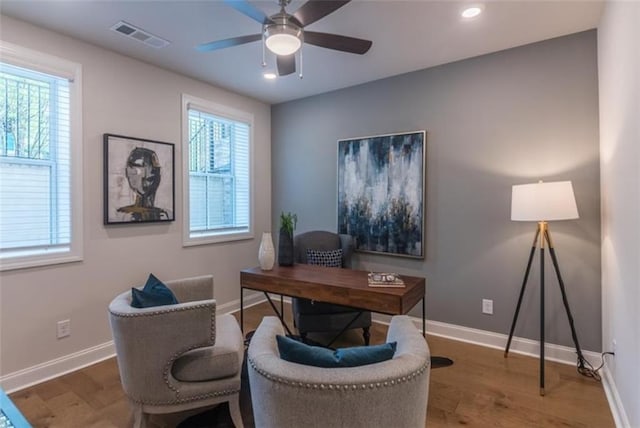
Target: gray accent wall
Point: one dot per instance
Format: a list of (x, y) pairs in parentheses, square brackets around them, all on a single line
[(513, 117)]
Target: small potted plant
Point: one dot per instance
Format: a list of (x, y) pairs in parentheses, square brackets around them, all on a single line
[(288, 223)]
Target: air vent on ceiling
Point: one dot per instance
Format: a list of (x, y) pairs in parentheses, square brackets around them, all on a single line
[(140, 35)]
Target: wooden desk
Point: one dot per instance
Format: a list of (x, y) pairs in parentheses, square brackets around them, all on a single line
[(345, 287)]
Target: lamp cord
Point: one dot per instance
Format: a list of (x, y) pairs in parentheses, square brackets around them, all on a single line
[(586, 369)]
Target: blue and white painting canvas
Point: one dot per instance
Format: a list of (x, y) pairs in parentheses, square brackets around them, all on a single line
[(381, 193)]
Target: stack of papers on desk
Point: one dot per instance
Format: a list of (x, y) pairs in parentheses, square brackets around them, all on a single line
[(385, 279)]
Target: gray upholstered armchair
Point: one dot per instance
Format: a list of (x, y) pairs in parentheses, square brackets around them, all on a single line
[(310, 316), (178, 357), (392, 393)]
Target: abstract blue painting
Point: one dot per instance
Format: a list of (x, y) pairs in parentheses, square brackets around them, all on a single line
[(381, 193)]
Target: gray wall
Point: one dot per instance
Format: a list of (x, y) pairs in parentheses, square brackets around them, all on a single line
[(512, 117)]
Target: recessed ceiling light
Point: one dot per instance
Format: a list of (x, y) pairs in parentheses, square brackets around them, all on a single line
[(269, 75), (471, 12)]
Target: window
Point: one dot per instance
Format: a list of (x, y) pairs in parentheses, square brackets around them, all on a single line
[(217, 164), (40, 154)]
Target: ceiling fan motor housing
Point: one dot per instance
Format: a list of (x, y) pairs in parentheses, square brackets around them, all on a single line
[(283, 37)]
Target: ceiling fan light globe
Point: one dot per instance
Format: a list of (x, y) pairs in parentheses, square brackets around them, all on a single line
[(283, 44), (283, 39)]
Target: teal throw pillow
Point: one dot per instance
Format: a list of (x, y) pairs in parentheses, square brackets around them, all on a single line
[(297, 352), (154, 293)]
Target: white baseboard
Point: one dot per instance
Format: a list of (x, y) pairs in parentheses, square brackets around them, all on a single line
[(519, 345), (48, 370), (51, 369), (54, 368), (615, 403), (250, 299)]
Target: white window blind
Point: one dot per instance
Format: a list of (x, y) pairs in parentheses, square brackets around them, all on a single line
[(219, 175), (35, 167)]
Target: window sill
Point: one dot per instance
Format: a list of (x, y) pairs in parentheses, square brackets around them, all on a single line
[(14, 263), (216, 239)]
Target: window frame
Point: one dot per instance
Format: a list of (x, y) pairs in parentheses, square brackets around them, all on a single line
[(44, 63), (229, 113)]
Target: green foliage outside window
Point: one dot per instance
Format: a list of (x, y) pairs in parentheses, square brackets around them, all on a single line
[(25, 110)]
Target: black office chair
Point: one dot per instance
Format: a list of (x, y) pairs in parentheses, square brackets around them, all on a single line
[(312, 316)]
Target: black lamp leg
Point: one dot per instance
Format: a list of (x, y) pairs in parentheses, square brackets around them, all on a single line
[(565, 301), (543, 233), (541, 320), (524, 285)]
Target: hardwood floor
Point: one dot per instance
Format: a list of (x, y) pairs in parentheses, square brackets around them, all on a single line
[(481, 389)]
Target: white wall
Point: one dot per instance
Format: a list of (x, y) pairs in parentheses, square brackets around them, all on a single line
[(619, 84), (123, 96)]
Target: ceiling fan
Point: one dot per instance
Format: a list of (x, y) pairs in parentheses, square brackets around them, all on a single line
[(283, 34)]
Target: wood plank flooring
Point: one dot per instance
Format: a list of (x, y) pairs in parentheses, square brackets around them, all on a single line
[(481, 389)]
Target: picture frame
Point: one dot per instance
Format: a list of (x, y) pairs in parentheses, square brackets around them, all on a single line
[(381, 193), (139, 180)]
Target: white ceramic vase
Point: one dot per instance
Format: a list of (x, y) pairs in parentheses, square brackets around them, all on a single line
[(266, 253)]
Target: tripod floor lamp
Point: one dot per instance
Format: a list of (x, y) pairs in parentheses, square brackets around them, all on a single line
[(542, 202)]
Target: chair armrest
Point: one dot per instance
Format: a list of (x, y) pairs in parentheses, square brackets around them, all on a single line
[(263, 341), (148, 340), (409, 339)]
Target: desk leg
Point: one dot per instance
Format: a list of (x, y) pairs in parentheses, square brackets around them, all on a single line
[(241, 309), (279, 314), (424, 334)]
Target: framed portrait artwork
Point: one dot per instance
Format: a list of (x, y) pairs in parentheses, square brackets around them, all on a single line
[(139, 180), (381, 181)]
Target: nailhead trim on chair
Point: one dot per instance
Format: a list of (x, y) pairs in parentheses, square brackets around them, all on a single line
[(159, 312), (167, 368), (345, 387)]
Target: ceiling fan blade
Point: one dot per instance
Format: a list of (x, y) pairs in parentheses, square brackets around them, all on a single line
[(286, 64), (337, 42), (313, 10), (227, 43), (250, 10)]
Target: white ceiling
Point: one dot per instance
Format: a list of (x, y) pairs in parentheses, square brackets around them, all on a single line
[(406, 35)]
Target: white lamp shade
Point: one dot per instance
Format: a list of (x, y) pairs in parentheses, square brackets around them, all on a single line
[(543, 202)]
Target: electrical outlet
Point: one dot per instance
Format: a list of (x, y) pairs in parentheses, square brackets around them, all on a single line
[(64, 329), (487, 306)]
